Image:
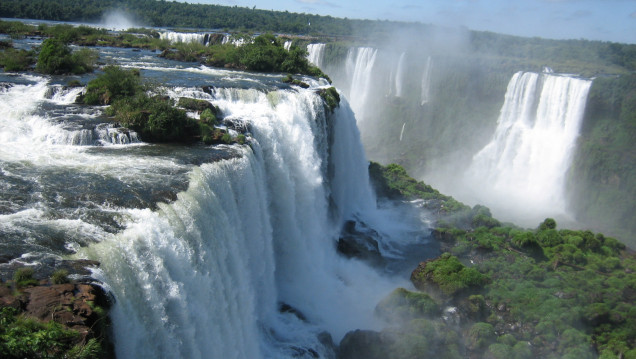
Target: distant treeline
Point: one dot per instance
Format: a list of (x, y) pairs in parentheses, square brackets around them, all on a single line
[(177, 14), (606, 57), (578, 56)]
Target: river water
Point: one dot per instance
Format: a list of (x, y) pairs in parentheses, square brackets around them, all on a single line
[(204, 248)]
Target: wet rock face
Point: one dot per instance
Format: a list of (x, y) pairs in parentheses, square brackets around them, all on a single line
[(364, 344), (359, 241), (74, 305)]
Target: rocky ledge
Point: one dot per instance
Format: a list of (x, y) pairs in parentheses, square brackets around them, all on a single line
[(71, 316)]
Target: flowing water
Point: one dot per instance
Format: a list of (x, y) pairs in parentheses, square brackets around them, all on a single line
[(530, 153), (316, 52), (520, 173), (209, 251)]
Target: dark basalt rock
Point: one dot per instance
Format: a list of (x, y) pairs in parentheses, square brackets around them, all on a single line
[(359, 241), (364, 344)]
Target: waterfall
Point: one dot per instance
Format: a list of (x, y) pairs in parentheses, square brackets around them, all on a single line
[(316, 53), (234, 40), (426, 82), (400, 73), (359, 66), (530, 152), (175, 37), (202, 246), (287, 45), (202, 276)]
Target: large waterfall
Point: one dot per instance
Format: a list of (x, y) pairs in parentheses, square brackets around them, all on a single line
[(251, 229), (202, 277), (529, 155)]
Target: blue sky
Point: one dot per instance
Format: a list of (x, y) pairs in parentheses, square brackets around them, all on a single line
[(607, 20)]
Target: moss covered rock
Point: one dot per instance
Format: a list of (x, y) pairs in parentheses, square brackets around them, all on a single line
[(446, 274), (402, 305)]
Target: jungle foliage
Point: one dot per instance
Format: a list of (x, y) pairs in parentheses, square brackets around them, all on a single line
[(602, 186), (544, 292)]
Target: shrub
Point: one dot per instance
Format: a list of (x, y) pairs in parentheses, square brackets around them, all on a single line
[(524, 240), (24, 277), (16, 60), (226, 138), (27, 338), (56, 58), (60, 276), (449, 274), (548, 223), (549, 238), (115, 83), (155, 119), (209, 116), (196, 105), (404, 305), (499, 351), (331, 97), (481, 335)]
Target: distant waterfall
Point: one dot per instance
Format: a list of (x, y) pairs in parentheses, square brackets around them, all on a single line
[(175, 37), (287, 45), (359, 67), (529, 155), (316, 53), (399, 75), (426, 82), (234, 40)]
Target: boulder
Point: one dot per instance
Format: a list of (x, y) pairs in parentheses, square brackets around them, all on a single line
[(365, 344), (357, 240)]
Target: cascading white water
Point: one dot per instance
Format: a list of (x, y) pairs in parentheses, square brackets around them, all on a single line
[(400, 73), (287, 45), (175, 37), (201, 277), (526, 161), (359, 67), (37, 130), (236, 41), (315, 53), (426, 82)]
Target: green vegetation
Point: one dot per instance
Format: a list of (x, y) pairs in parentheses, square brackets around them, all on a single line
[(197, 105), (56, 58), (331, 97), (567, 293), (265, 53), (602, 186), (289, 79), (23, 277), (403, 305), (155, 118), (60, 276), (447, 273), (16, 60), (27, 338), (392, 181), (114, 84)]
